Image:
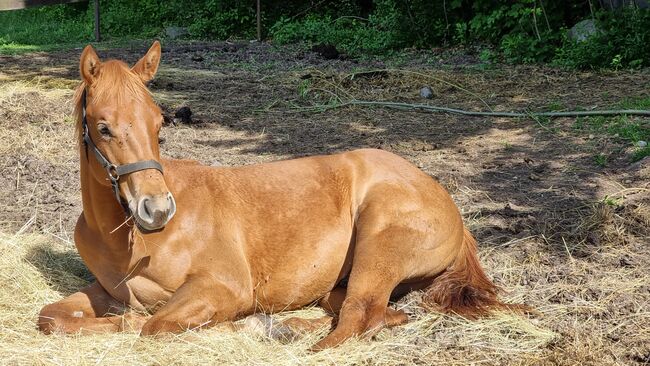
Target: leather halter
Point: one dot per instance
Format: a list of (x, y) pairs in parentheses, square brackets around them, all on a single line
[(114, 172)]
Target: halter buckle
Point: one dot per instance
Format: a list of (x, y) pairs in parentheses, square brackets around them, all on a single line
[(112, 172)]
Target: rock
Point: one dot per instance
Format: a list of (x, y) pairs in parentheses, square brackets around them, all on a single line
[(626, 261), (176, 32), (426, 92), (583, 30), (183, 115), (327, 51), (641, 143)]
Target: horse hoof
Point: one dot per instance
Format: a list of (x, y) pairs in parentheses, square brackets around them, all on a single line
[(264, 325)]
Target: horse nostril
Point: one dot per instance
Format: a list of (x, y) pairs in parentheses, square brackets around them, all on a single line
[(145, 205), (155, 211)]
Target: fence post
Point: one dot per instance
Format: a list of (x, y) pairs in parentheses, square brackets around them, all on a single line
[(97, 35), (259, 21)]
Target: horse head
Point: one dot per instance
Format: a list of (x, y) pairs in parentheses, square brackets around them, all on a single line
[(120, 123)]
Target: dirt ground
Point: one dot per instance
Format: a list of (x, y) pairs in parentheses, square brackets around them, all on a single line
[(557, 228)]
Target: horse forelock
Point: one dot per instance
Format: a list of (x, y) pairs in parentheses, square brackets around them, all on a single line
[(115, 84)]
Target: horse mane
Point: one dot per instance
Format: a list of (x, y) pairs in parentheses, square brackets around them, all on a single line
[(116, 84)]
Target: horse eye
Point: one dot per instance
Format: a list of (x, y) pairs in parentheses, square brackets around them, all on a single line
[(104, 130)]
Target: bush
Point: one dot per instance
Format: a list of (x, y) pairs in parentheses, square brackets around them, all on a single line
[(521, 31), (623, 41)]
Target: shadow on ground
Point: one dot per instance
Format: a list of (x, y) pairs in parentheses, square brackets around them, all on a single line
[(63, 269)]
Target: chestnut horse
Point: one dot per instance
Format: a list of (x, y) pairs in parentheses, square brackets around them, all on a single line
[(203, 245)]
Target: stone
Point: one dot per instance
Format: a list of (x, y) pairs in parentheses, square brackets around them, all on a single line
[(583, 30), (183, 115), (426, 92), (641, 143), (176, 32), (327, 51)]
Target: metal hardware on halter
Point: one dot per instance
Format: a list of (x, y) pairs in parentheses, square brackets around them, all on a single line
[(113, 171)]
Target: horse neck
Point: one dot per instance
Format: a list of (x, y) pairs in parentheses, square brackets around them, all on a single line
[(102, 213)]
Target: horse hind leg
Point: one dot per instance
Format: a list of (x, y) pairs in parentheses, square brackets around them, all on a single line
[(333, 302), (292, 328), (373, 278)]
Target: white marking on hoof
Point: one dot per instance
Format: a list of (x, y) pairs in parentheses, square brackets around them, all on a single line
[(263, 325)]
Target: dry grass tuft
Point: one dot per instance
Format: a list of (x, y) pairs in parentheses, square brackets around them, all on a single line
[(37, 269)]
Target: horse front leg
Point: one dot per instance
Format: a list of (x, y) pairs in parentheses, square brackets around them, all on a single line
[(200, 302), (90, 310)]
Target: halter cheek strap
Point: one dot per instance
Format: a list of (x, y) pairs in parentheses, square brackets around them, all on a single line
[(113, 171)]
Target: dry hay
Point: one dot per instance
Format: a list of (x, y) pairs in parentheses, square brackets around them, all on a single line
[(38, 269), (579, 260)]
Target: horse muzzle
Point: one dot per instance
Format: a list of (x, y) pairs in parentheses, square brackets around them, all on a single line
[(154, 212)]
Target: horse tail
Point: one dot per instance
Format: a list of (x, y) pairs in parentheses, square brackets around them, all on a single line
[(464, 288)]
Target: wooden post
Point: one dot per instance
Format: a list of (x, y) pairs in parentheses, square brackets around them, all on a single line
[(98, 37), (22, 4), (259, 21)]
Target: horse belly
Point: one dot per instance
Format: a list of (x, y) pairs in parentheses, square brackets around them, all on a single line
[(304, 276)]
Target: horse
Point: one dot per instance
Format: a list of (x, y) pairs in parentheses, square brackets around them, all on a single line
[(175, 245)]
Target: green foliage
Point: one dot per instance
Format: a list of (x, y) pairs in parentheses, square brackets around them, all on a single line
[(45, 25), (522, 48), (623, 41), (385, 29), (515, 31)]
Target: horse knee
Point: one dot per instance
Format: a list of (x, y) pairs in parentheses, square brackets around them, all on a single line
[(155, 327), (50, 319), (395, 317)]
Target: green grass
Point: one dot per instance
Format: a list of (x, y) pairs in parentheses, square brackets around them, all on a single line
[(52, 28), (601, 160), (635, 103), (629, 129), (556, 106), (33, 27), (640, 153)]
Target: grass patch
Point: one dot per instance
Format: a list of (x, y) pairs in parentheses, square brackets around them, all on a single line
[(622, 127), (601, 160), (635, 103)]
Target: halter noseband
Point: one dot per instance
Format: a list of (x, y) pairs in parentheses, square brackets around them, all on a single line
[(113, 171)]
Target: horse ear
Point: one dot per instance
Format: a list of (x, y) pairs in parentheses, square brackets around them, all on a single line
[(148, 65), (89, 65)]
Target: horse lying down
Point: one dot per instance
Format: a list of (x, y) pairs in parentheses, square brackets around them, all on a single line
[(204, 245)]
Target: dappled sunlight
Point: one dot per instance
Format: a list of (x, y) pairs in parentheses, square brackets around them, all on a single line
[(558, 229)]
